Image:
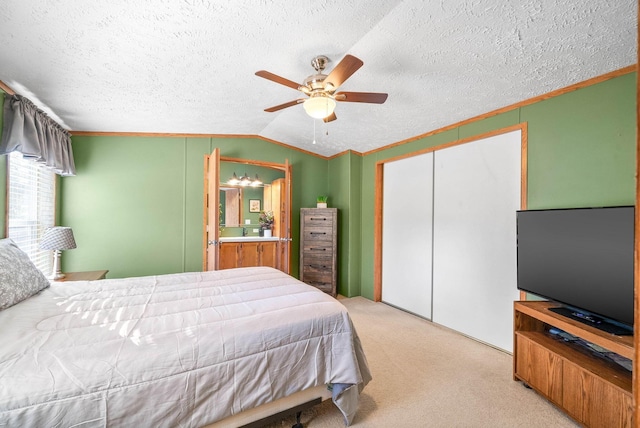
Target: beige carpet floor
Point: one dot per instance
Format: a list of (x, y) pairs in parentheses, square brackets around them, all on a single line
[(425, 375)]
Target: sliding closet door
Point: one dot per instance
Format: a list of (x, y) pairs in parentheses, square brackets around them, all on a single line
[(477, 194), (407, 234)]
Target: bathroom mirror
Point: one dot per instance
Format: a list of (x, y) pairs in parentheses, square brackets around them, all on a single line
[(241, 203), (230, 206)]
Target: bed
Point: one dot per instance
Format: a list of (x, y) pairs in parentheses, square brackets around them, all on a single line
[(177, 350)]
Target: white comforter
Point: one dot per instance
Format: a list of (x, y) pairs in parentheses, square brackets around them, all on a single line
[(172, 350)]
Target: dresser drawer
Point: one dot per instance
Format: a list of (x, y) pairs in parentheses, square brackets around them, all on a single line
[(317, 252), (323, 286), (318, 262), (320, 218), (317, 248), (323, 281), (315, 234), (318, 266)]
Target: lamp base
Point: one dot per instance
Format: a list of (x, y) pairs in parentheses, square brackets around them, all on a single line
[(57, 272), (56, 276)]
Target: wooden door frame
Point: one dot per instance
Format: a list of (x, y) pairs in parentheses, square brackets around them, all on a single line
[(379, 197), (215, 201), (635, 381), (286, 168)]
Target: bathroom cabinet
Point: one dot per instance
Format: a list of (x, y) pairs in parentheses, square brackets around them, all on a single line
[(247, 254)]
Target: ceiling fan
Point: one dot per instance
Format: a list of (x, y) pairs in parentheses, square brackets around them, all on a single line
[(321, 88)]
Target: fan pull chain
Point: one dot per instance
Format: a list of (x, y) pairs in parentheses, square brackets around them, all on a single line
[(326, 133), (314, 131)]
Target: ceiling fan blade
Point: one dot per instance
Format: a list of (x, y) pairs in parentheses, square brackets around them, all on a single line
[(330, 118), (345, 68), (362, 97), (275, 78), (285, 105)]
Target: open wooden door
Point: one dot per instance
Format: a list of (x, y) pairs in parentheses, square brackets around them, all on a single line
[(285, 238), (212, 211)]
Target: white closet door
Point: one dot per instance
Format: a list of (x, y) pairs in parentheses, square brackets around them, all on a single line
[(407, 234), (477, 194)]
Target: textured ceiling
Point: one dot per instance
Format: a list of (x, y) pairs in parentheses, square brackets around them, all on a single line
[(187, 66)]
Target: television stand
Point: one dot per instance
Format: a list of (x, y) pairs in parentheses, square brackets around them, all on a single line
[(591, 389), (594, 321)]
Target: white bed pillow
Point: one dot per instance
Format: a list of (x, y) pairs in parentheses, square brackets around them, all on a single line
[(19, 277)]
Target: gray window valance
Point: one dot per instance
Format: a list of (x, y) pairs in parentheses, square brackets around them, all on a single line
[(30, 131)]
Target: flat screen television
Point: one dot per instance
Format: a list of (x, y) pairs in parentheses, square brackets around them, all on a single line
[(581, 258)]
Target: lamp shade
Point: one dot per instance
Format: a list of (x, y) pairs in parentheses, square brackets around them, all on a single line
[(58, 238), (319, 106)]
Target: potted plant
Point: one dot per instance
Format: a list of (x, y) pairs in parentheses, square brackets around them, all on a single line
[(321, 201), (265, 219)]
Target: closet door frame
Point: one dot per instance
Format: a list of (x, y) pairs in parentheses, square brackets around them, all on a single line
[(379, 194)]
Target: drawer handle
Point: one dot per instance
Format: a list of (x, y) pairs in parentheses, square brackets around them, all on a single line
[(317, 266), (318, 233), (319, 218), (317, 249)]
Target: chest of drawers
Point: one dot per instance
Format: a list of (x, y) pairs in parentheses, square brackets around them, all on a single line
[(319, 248)]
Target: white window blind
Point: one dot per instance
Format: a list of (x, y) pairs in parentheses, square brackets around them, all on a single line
[(31, 207)]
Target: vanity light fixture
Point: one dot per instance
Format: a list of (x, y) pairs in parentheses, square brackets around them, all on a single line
[(257, 182), (234, 179), (244, 180)]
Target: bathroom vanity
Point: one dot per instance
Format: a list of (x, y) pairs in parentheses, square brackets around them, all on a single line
[(246, 251)]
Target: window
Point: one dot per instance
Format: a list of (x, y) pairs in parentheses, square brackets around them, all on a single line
[(31, 207)]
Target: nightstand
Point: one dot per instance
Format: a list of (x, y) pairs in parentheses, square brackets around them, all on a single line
[(84, 276)]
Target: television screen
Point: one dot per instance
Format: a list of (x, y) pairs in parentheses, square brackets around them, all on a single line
[(580, 257)]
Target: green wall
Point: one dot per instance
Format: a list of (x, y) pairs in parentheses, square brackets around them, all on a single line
[(581, 152), (136, 204), (345, 194)]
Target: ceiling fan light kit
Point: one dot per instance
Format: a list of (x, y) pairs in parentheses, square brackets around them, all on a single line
[(321, 88), (319, 106)]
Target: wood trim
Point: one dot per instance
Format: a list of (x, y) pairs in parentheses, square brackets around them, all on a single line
[(635, 381), (377, 232), (521, 126), (524, 171), (379, 181), (346, 152), (289, 234), (286, 168), (212, 136), (188, 135), (205, 191), (561, 91), (273, 165), (6, 88), (524, 165)]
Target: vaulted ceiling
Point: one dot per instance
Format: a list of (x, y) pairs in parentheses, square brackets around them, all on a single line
[(187, 66)]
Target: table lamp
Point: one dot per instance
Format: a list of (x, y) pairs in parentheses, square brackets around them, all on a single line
[(57, 238)]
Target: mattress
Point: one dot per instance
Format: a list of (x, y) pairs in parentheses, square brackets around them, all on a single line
[(179, 350)]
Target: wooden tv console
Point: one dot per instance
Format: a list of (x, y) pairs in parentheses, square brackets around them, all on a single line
[(592, 390)]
